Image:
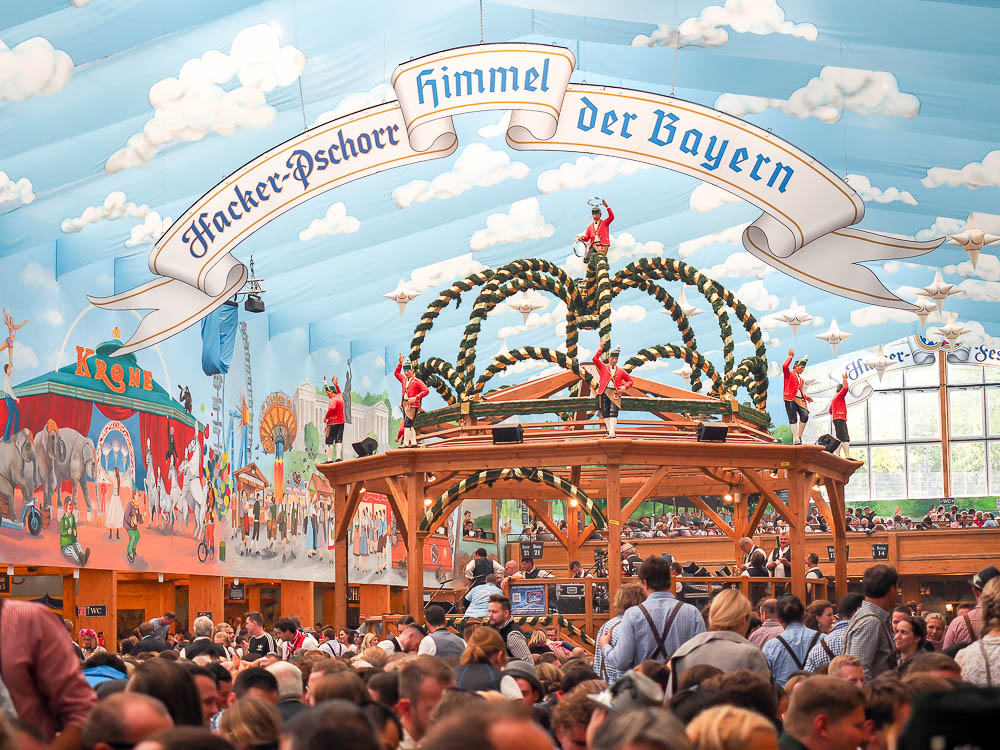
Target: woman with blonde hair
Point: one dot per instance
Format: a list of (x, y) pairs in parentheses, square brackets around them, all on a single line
[(731, 728), (936, 627), (370, 639), (724, 644), (481, 665), (251, 724), (629, 595)]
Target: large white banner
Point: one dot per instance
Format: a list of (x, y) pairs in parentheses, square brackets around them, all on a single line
[(805, 229)]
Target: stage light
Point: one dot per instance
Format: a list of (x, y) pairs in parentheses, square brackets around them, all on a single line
[(711, 432), (728, 497), (254, 304), (427, 502), (508, 433), (236, 581), (950, 607), (573, 502), (724, 572), (10, 570)]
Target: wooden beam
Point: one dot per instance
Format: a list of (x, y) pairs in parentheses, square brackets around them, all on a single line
[(643, 492), (344, 521), (716, 518), (398, 503), (751, 476), (546, 518), (415, 545), (614, 513), (730, 480), (340, 580), (839, 529), (798, 482), (817, 497)]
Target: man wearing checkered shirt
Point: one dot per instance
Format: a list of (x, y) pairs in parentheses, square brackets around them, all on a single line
[(868, 636), (832, 644)]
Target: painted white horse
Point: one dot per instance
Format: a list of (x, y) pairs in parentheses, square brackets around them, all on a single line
[(165, 503), (174, 500), (152, 491), (193, 496)]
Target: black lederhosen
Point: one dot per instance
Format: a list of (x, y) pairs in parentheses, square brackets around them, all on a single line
[(608, 407), (840, 430), (796, 412), (335, 433)]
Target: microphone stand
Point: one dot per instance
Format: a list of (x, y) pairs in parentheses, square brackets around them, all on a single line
[(439, 589)]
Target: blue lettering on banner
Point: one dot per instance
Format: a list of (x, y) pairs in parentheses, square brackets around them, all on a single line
[(478, 81)]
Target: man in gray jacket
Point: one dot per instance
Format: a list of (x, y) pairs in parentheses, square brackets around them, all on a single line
[(440, 641)]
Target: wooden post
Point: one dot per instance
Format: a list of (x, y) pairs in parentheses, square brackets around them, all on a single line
[(69, 600), (797, 493), (205, 594), (253, 598), (415, 544), (340, 581), (614, 512), (740, 520), (835, 491), (100, 588), (572, 532), (299, 598), (945, 408)]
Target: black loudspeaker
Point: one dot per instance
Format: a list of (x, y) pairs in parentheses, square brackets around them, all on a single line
[(712, 432), (689, 569), (724, 572), (253, 304), (366, 447), (508, 433), (829, 443)]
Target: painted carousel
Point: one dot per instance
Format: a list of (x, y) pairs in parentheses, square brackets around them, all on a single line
[(592, 437)]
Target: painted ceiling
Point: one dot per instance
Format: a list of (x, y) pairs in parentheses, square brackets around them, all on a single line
[(116, 115)]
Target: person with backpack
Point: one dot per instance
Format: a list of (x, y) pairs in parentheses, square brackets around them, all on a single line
[(786, 653), (655, 628), (831, 645), (628, 596)]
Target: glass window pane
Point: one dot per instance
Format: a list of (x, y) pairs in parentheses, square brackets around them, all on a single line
[(992, 374), (922, 376), (857, 422), (923, 415), (889, 380), (857, 486), (886, 416), (968, 469), (926, 478), (964, 374), (815, 427), (888, 477), (994, 467), (993, 409), (966, 411)]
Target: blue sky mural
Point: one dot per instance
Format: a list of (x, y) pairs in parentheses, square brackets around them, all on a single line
[(116, 115)]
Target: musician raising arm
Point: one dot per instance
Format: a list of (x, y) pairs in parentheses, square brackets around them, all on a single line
[(796, 400)]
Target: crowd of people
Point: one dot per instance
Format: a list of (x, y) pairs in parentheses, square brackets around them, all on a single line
[(865, 672)]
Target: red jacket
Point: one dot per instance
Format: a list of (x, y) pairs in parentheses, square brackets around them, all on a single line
[(414, 389), (793, 382), (335, 408), (603, 237), (838, 407), (623, 381)]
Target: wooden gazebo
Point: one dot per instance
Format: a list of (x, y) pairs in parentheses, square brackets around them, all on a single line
[(604, 479)]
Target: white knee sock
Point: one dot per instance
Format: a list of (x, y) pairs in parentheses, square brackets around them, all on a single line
[(845, 450), (612, 424), (338, 451)]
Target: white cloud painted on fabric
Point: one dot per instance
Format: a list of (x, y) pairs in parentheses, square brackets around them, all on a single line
[(36, 275), (730, 236), (19, 191), (115, 206), (33, 68), (477, 165), (442, 272), (825, 97), (334, 221), (868, 192), (523, 221), (194, 104), (760, 17), (357, 101), (584, 171), (975, 174), (706, 197), (151, 229)]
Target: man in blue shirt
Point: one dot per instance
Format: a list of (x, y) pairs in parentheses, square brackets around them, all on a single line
[(657, 627), (786, 653), (831, 645), (479, 597)]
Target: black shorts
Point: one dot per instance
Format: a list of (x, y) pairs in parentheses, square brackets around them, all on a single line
[(796, 413), (840, 430), (407, 421), (334, 433), (609, 409)]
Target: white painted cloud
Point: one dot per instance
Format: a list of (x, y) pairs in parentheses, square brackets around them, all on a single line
[(24, 356), (334, 221), (535, 321), (867, 92), (730, 236), (333, 357), (149, 231), (754, 295), (52, 316), (33, 68), (356, 101), (975, 174), (988, 268), (708, 197), (19, 190), (628, 314), (586, 170), (863, 187), (380, 361), (942, 227), (977, 336), (761, 17), (624, 246), (443, 272), (895, 266), (36, 275), (366, 382), (981, 291), (116, 206), (497, 128), (870, 315), (523, 221), (477, 166), (79, 3), (194, 104), (738, 265)]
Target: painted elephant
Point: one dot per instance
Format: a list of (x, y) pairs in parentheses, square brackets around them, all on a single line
[(17, 469), (50, 451), (79, 463)]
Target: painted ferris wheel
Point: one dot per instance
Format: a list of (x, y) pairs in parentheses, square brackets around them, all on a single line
[(277, 431)]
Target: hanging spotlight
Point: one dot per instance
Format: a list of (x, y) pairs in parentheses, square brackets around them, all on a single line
[(728, 497), (427, 502), (573, 502)]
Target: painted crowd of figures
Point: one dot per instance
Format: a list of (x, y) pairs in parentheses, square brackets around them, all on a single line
[(369, 537)]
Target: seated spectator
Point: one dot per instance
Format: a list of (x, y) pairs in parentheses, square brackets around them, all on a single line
[(251, 724), (937, 664), (343, 686), (124, 720), (528, 684), (731, 728), (936, 627), (255, 682)]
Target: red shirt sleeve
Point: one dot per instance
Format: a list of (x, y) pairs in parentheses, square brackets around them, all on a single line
[(399, 372), (611, 216)]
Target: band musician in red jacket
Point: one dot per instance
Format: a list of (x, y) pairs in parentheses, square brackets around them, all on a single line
[(796, 400), (414, 390), (611, 374), (597, 235), (334, 420)]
